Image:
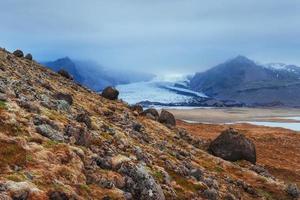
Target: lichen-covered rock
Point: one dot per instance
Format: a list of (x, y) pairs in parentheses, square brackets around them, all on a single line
[(293, 190), (84, 118), (211, 194), (63, 96), (47, 131), (110, 93), (144, 186), (167, 118), (233, 146), (81, 135), (57, 195)]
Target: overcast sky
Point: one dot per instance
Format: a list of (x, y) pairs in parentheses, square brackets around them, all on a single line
[(168, 36)]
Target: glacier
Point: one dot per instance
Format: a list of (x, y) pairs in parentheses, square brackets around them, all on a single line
[(162, 89)]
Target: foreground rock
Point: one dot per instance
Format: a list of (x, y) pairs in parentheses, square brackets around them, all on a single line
[(167, 118), (110, 93), (143, 186), (233, 146)]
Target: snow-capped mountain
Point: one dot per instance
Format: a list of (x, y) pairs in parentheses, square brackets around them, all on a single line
[(283, 67), (241, 79)]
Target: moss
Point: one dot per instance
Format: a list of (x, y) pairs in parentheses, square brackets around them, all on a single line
[(3, 104), (266, 194), (158, 175), (50, 144), (219, 169), (18, 177), (11, 154)]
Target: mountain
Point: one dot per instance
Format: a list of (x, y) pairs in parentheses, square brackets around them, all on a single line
[(67, 64), (95, 76), (241, 79)]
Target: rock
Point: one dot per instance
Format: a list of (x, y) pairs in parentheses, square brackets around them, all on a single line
[(261, 171), (143, 185), (62, 96), (81, 135), (84, 118), (21, 195), (28, 56), (293, 190), (65, 74), (151, 113), (57, 195), (137, 127), (5, 197), (233, 146), (210, 194), (62, 105), (197, 174), (211, 183), (137, 107), (104, 163), (110, 93), (3, 97), (28, 106), (47, 131), (229, 197), (167, 118), (116, 161), (18, 53)]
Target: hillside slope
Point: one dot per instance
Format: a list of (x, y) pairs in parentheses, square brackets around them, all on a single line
[(243, 80), (62, 141)]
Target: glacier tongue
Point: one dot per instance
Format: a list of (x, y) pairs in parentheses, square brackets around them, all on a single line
[(160, 89)]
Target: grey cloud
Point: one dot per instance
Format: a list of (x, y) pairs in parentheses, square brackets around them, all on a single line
[(162, 35)]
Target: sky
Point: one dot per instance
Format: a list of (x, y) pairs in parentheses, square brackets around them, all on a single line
[(158, 36)]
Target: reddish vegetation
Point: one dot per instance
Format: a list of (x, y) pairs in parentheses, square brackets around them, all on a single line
[(277, 149)]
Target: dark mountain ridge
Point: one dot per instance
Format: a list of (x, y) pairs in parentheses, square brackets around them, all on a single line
[(243, 80), (95, 76)]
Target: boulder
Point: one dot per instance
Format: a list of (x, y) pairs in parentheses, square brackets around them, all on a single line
[(151, 113), (211, 194), (18, 53), (143, 185), (65, 74), (81, 135), (84, 118), (293, 190), (57, 195), (47, 131), (167, 118), (67, 97), (28, 56), (233, 146), (137, 107), (110, 93)]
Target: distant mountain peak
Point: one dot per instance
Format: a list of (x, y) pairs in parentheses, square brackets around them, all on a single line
[(66, 59), (240, 59)]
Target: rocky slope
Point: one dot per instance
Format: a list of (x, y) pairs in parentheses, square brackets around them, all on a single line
[(241, 79), (62, 141)]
